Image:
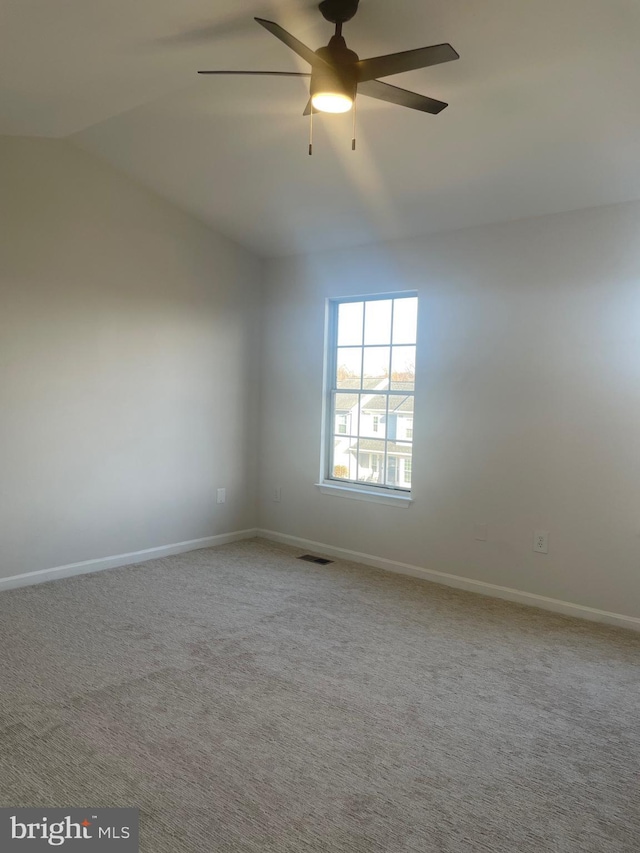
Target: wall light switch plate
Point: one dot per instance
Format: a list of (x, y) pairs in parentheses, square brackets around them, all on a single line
[(222, 496)]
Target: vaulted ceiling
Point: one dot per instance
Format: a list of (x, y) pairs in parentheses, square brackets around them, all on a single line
[(544, 111)]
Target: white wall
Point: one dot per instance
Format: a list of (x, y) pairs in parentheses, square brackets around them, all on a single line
[(527, 404), (128, 387)]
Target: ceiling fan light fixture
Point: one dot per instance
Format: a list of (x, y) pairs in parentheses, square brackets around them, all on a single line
[(332, 89), (332, 102)]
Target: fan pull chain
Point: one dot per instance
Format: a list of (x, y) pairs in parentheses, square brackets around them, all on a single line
[(311, 132), (353, 141)]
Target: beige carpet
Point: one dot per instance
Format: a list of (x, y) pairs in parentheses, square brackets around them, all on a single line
[(246, 701)]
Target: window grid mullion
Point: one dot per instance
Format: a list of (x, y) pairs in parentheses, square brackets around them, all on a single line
[(386, 441), (359, 397), (386, 420), (330, 449)]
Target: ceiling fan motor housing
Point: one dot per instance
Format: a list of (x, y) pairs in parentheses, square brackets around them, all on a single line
[(339, 74), (338, 11)]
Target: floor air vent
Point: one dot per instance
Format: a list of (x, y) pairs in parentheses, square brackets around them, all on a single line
[(319, 560)]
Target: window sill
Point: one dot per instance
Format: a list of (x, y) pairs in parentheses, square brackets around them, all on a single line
[(397, 500)]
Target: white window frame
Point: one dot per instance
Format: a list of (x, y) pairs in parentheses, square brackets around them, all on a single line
[(401, 497)]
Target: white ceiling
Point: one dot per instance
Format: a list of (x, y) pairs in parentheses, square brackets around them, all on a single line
[(544, 111)]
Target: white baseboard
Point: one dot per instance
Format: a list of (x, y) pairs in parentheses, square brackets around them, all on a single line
[(528, 598), (44, 575)]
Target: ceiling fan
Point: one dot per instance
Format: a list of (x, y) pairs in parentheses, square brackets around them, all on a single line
[(338, 75)]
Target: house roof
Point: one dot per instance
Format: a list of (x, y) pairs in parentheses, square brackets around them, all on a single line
[(368, 384), (375, 402), (346, 402), (396, 404), (372, 445)]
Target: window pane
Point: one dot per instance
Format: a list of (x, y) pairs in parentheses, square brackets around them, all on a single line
[(343, 424), (377, 322), (344, 460), (350, 323), (392, 469), (348, 367), (400, 467), (376, 365), (401, 405), (373, 412), (403, 368), (371, 458), (401, 449), (405, 317), (345, 413)]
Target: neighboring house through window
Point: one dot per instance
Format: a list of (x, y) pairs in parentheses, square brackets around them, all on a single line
[(370, 390)]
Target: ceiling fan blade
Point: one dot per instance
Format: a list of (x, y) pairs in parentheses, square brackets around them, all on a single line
[(408, 60), (206, 33), (296, 46), (263, 73), (385, 92), (229, 26)]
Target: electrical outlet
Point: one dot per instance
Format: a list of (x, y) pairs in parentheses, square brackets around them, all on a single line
[(481, 532), (222, 496), (277, 494), (541, 541)]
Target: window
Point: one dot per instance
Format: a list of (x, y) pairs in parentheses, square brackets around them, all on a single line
[(370, 390)]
